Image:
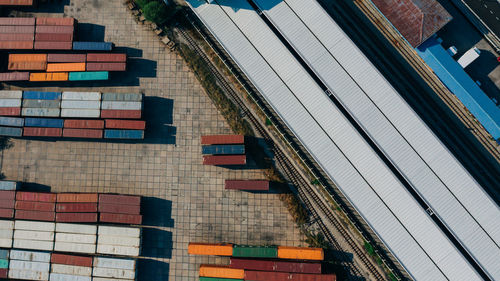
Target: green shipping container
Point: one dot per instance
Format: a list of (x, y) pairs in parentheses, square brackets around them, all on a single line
[(85, 76), (255, 251), (218, 279), (4, 264)]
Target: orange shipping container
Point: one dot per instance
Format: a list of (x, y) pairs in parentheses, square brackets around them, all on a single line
[(55, 76), (298, 253), (28, 65), (58, 67), (27, 57), (220, 271), (210, 249)]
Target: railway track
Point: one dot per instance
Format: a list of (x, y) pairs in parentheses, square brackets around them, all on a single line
[(309, 197)]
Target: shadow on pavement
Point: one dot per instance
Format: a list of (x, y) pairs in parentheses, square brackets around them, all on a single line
[(149, 269), (90, 32), (156, 243), (157, 212), (35, 187)]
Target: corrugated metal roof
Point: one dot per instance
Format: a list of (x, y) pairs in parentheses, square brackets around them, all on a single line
[(372, 189)]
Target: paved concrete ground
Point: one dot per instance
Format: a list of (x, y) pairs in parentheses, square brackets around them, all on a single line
[(185, 201)]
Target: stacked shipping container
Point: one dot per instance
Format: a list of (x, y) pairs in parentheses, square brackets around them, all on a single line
[(29, 265), (41, 104), (7, 201), (54, 34), (76, 207), (120, 209), (121, 241), (4, 263), (6, 233), (35, 206), (108, 269), (106, 62), (17, 33), (75, 238), (10, 105), (70, 267), (223, 150), (34, 235)]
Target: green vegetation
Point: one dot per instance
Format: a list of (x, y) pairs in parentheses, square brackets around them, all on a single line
[(317, 240), (369, 249), (298, 212), (156, 11), (315, 182)]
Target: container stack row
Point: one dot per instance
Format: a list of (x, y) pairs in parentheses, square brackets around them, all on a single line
[(262, 263), (119, 241), (43, 109), (120, 209), (29, 265), (223, 150), (17, 33)]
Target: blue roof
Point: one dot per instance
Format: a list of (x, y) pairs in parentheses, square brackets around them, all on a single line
[(460, 84)]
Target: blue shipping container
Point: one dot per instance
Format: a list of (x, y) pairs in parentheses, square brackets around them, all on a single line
[(223, 149), (4, 254), (93, 46), (11, 121), (123, 134), (7, 185), (43, 122), (35, 95), (11, 132)]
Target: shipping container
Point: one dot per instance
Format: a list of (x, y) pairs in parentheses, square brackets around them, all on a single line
[(10, 111), (125, 124), (52, 76), (17, 29), (76, 217), (113, 273), (16, 21), (55, 29), (120, 209), (34, 225), (6, 224), (266, 275), (119, 231), (6, 213), (115, 57), (222, 139), (210, 249), (33, 245), (117, 250), (16, 2), (119, 241), (68, 66), (14, 76), (6, 242), (93, 46), (255, 251), (7, 194), (7, 204), (118, 263), (74, 247), (44, 122), (300, 253), (110, 279), (76, 228), (10, 103), (4, 263), (11, 121), (36, 196), (80, 113), (4, 273), (71, 260), (36, 95), (33, 235), (66, 57), (221, 271), (106, 66), (121, 97), (77, 197), (8, 185), (252, 264), (120, 218), (298, 267), (119, 199), (127, 114), (122, 105), (81, 96), (223, 149), (4, 254), (88, 76), (257, 185), (16, 37), (76, 207), (54, 37), (11, 132), (35, 206), (218, 279), (41, 112), (35, 215), (76, 238), (27, 57), (82, 133), (28, 275), (123, 134), (81, 104), (16, 45), (41, 103), (68, 277), (84, 124), (224, 160), (29, 265), (52, 45), (27, 65), (55, 21)]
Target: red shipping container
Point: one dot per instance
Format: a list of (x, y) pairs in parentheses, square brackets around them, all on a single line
[(82, 133), (7, 194), (66, 57), (120, 218), (15, 76), (54, 37), (16, 45), (16, 2), (313, 277), (299, 267), (76, 207), (266, 275), (3, 272), (224, 160), (42, 132), (250, 264), (119, 199), (6, 213), (16, 37), (40, 45), (77, 197), (17, 21), (120, 209), (76, 217), (71, 260), (55, 21), (118, 114), (106, 66), (36, 196), (125, 124), (106, 57), (10, 111), (84, 124), (35, 215), (223, 139), (7, 204), (35, 206), (54, 29), (17, 29), (247, 184)]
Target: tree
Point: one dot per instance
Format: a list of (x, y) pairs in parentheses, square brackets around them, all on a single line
[(156, 12)]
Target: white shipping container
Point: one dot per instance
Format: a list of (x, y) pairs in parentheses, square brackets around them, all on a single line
[(41, 112), (10, 102), (122, 105), (110, 279), (76, 228), (113, 273), (67, 277), (4, 224), (80, 113), (117, 250), (121, 241), (34, 244), (29, 256), (114, 263), (76, 238), (71, 269), (81, 104), (119, 231), (34, 235), (8, 185), (6, 233), (29, 265), (5, 94), (5, 242), (28, 275), (95, 96), (75, 247), (34, 225)]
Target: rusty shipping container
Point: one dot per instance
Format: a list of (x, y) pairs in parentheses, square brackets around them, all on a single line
[(55, 21), (224, 160), (16, 45), (223, 139), (120, 218), (27, 65), (35, 215), (36, 196), (16, 21), (76, 207), (125, 124), (271, 276), (7, 204), (54, 37), (258, 185), (121, 114), (17, 29), (119, 199), (16, 37), (83, 124), (77, 197), (6, 213), (16, 2), (66, 57), (106, 66), (71, 260), (252, 264), (7, 194), (83, 133), (35, 206), (14, 76), (298, 267), (76, 217), (120, 209), (91, 57), (41, 45), (55, 29)]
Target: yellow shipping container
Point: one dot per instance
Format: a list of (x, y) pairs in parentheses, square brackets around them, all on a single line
[(27, 57), (56, 76), (299, 253), (220, 271), (58, 67), (210, 249)]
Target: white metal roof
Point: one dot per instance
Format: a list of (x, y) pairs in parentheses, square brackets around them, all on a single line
[(369, 185), (325, 62)]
